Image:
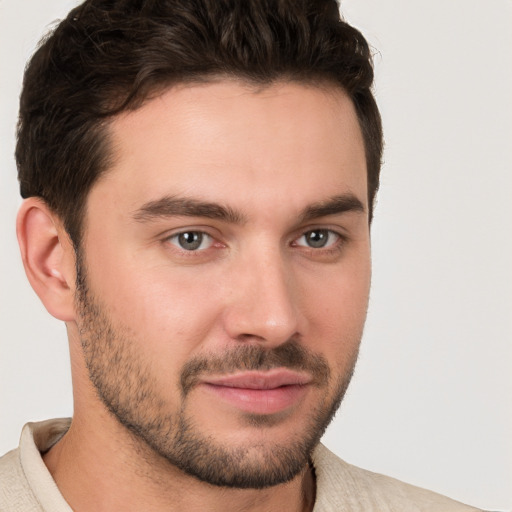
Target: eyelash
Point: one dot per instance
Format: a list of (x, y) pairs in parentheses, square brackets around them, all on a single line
[(320, 231), (190, 252), (333, 247)]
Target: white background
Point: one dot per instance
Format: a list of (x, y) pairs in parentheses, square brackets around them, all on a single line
[(431, 400)]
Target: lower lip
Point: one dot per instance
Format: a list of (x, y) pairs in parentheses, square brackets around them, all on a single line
[(259, 401)]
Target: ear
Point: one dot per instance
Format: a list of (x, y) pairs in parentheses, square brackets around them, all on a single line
[(48, 257)]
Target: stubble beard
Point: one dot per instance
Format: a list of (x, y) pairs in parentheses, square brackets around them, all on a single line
[(129, 390)]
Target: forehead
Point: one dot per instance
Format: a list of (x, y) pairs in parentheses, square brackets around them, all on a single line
[(229, 140)]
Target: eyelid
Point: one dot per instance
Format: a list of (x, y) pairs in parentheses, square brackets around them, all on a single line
[(205, 239), (331, 232), (206, 230), (169, 239)]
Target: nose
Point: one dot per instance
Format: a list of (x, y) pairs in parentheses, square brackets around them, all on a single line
[(262, 306)]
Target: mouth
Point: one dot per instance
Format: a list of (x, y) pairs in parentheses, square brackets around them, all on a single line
[(257, 392)]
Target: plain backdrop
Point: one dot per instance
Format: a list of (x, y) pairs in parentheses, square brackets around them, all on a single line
[(431, 400)]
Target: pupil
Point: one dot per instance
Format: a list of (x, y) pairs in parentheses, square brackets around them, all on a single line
[(317, 238), (190, 240)]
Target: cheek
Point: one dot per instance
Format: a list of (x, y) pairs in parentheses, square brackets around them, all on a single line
[(336, 307), (174, 311), (164, 309)]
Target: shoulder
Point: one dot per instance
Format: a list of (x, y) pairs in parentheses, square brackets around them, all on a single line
[(15, 493), (341, 486)]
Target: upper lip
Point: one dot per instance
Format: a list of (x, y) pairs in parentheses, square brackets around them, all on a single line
[(270, 379)]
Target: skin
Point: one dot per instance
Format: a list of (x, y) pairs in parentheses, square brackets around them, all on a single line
[(254, 282)]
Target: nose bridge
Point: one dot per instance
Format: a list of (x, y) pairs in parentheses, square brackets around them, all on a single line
[(262, 305)]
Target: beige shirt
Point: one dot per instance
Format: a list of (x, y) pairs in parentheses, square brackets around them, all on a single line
[(27, 486)]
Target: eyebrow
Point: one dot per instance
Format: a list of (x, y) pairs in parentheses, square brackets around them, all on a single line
[(333, 206), (171, 206)]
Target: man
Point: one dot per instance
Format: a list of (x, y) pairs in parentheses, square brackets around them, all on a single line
[(199, 181)]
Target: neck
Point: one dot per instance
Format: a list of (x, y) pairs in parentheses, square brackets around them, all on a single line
[(104, 468)]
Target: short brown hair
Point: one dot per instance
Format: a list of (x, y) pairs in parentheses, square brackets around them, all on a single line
[(108, 56)]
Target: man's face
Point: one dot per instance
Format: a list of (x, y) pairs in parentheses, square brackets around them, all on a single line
[(225, 275)]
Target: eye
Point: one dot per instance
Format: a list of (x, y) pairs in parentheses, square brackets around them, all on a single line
[(191, 240), (318, 239)]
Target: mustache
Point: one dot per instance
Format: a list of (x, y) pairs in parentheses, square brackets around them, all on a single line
[(289, 355)]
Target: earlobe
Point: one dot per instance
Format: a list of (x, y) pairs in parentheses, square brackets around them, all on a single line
[(48, 257)]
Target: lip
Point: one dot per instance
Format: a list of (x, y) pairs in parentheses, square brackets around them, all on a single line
[(257, 392)]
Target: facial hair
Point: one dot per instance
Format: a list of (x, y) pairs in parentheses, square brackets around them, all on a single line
[(127, 386)]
